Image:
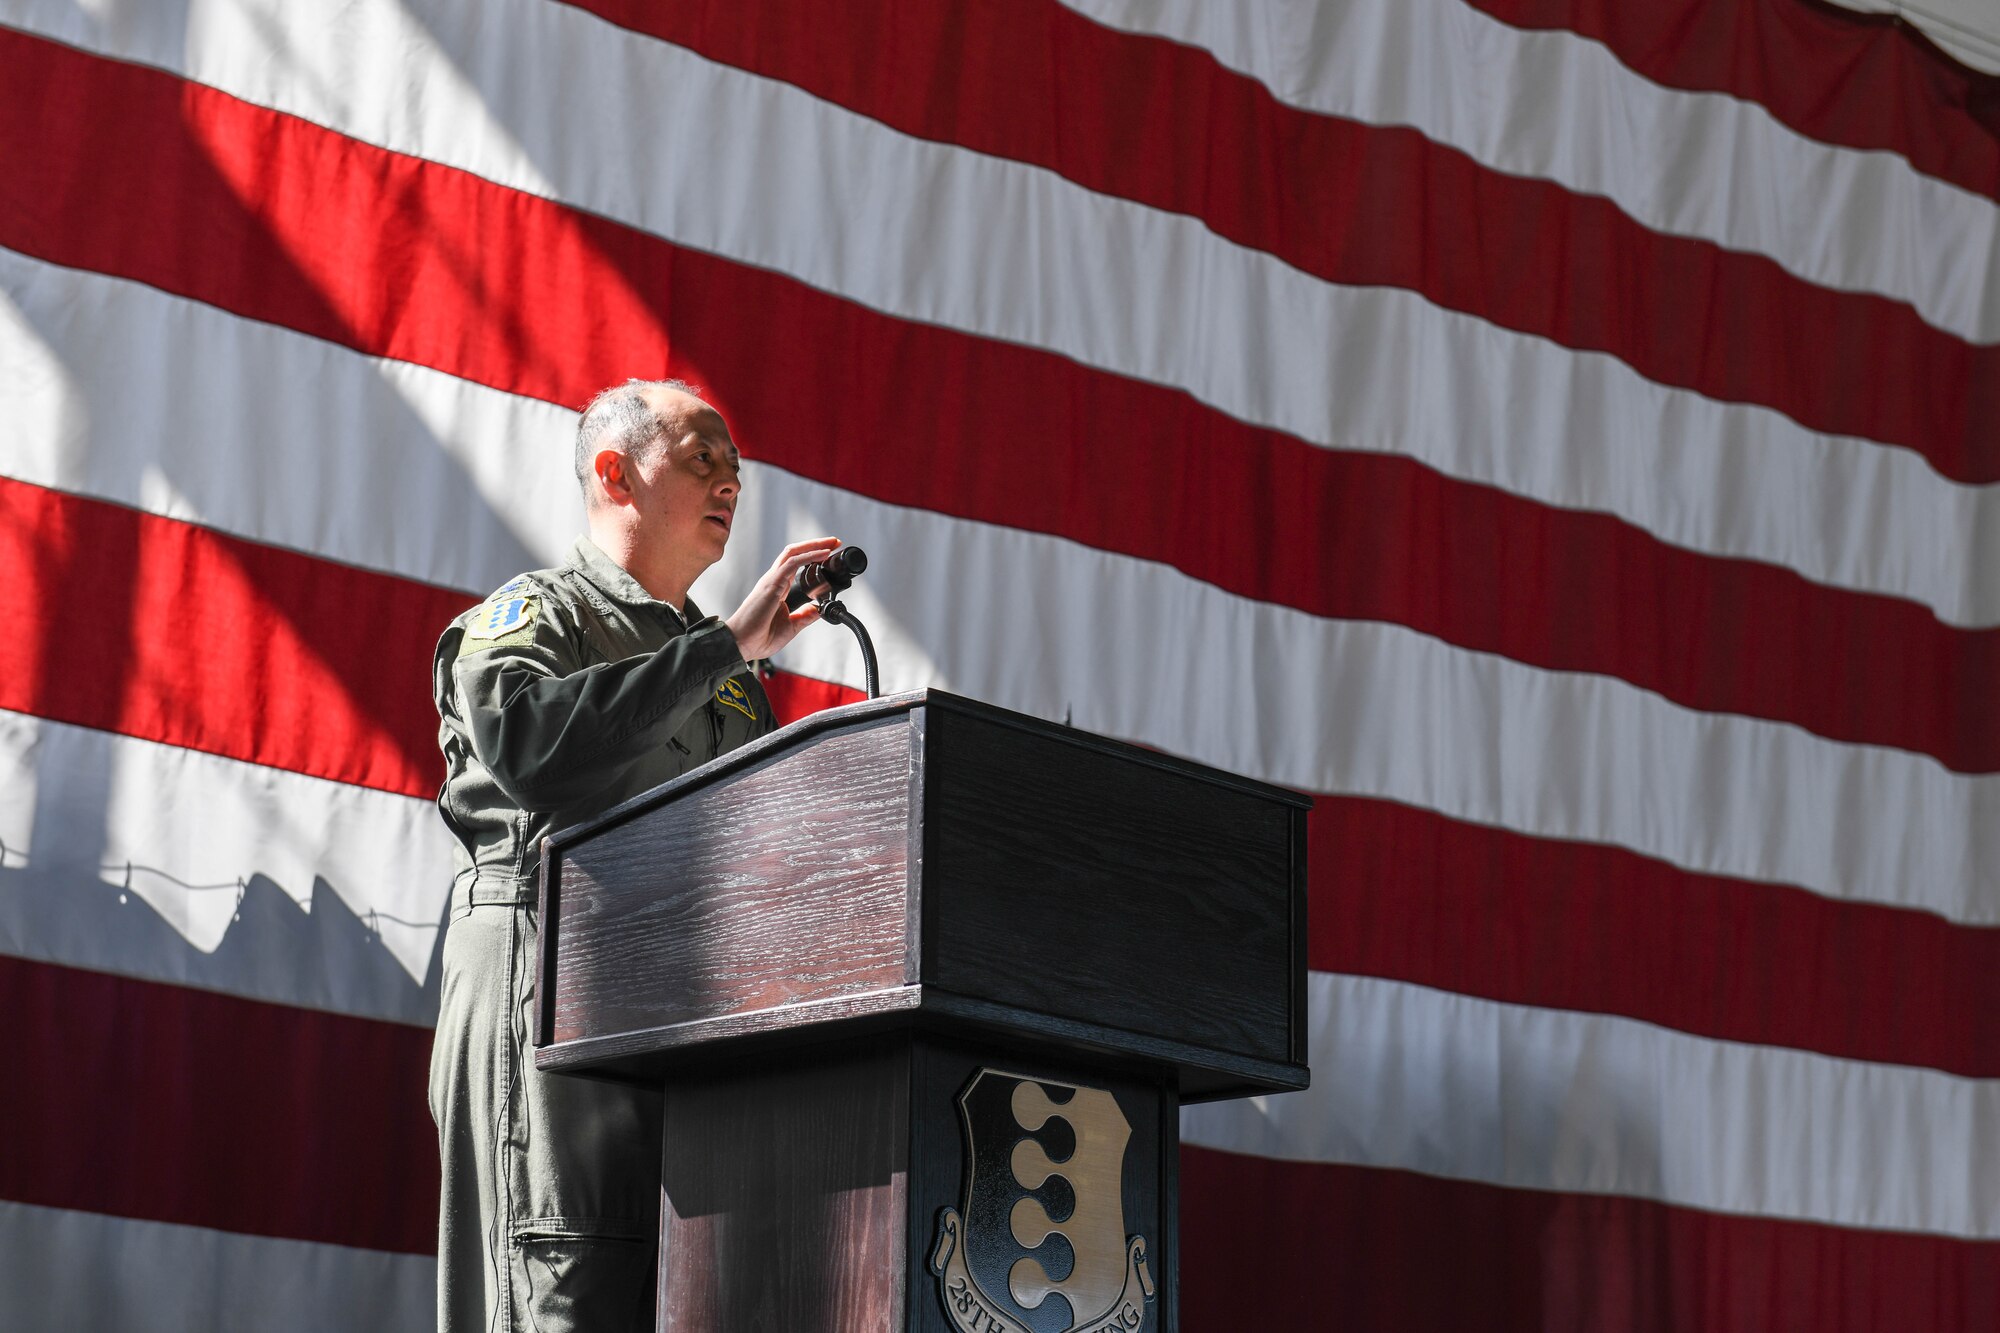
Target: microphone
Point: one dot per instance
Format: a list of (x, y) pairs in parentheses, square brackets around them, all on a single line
[(828, 578)]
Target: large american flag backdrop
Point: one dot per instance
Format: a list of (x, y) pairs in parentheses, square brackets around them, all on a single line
[(1561, 435)]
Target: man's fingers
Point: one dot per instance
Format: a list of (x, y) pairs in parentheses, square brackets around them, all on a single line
[(793, 564), (773, 634), (798, 556), (802, 551), (775, 624)]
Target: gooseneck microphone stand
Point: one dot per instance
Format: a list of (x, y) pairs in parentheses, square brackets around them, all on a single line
[(836, 612)]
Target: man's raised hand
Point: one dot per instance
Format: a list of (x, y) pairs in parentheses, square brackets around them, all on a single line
[(762, 625)]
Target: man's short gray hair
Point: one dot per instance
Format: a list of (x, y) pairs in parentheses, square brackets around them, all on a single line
[(620, 418)]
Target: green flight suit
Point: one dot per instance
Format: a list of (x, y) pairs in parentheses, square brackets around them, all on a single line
[(566, 692)]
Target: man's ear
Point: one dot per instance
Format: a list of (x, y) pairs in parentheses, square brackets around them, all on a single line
[(614, 476)]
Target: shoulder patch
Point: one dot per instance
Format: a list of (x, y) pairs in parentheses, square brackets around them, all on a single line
[(733, 695), (502, 614)]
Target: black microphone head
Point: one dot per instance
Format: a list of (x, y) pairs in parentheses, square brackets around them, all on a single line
[(829, 577)]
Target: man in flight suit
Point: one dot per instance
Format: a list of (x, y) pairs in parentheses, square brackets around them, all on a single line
[(566, 692)]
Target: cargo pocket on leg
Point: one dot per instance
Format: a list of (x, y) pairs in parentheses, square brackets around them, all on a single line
[(571, 1277)]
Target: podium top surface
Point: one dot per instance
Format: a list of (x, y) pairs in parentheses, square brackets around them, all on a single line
[(927, 859)]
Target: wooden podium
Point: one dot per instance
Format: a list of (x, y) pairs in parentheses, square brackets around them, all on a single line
[(925, 982)]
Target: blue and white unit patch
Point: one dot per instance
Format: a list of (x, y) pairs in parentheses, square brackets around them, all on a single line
[(502, 614)]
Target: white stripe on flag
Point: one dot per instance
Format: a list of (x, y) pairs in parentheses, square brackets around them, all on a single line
[(1560, 107), (89, 1273), (1424, 1080), (291, 441), (184, 832), (1016, 253)]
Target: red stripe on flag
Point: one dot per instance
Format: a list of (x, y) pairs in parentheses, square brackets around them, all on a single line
[(159, 629), (408, 259), (1869, 81), (1298, 1245), (794, 697), (278, 219), (178, 1105), (1166, 125), (1414, 896)]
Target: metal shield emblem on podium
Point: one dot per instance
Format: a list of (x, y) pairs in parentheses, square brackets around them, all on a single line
[(1039, 1244)]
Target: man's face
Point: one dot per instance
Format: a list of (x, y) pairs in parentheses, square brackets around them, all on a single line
[(684, 487)]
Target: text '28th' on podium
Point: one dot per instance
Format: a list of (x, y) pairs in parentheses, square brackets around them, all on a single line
[(925, 982)]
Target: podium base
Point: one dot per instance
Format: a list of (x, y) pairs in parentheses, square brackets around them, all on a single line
[(916, 1183)]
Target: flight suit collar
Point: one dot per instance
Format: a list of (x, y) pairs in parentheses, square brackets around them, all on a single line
[(610, 578)]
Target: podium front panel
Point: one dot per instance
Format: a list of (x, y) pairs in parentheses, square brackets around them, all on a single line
[(780, 884), (1085, 880)]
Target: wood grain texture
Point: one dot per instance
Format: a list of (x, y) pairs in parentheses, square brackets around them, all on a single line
[(650, 1055), (940, 864), (1301, 1038), (778, 883), (784, 1197), (1069, 878)]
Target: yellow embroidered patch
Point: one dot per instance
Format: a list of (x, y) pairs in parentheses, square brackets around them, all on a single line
[(501, 615), (733, 695)]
